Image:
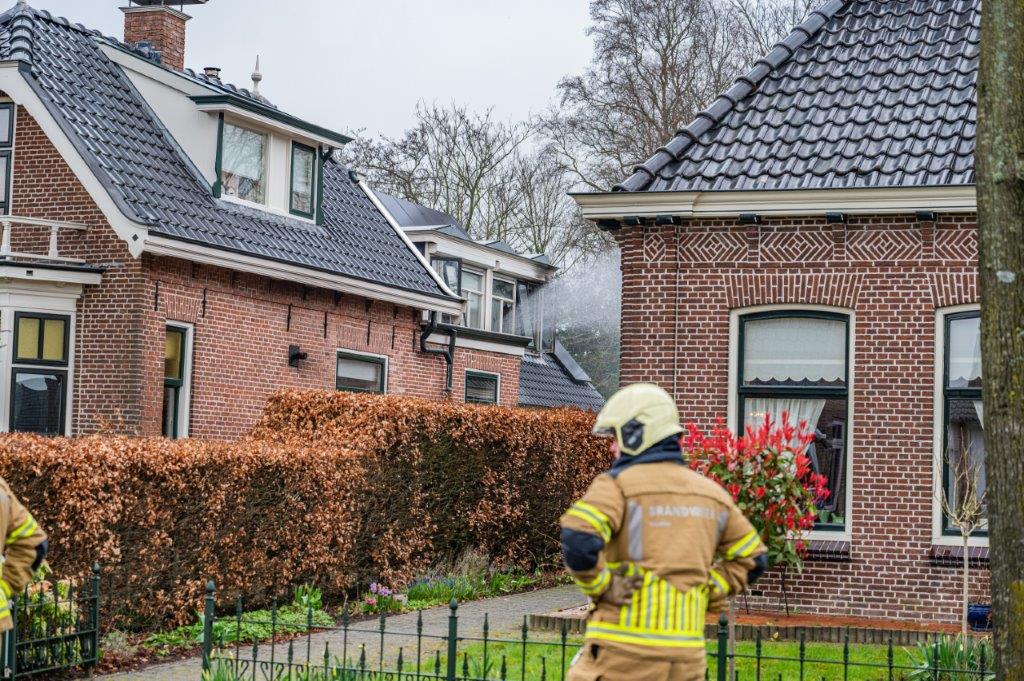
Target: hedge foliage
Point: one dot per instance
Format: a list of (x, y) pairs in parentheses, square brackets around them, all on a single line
[(330, 488)]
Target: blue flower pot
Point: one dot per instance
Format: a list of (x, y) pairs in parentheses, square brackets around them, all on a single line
[(979, 617)]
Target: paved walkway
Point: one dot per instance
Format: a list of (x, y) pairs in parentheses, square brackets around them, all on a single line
[(505, 618)]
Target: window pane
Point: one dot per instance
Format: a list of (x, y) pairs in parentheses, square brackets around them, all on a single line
[(28, 338), (481, 389), (170, 416), (474, 310), (360, 374), (303, 164), (794, 351), (965, 353), (242, 163), (827, 420), (174, 344), (504, 289), (471, 281), (5, 163), (965, 451), (449, 271), (6, 112), (53, 340), (38, 403)]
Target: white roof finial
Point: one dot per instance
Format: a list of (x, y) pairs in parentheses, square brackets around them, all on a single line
[(256, 77)]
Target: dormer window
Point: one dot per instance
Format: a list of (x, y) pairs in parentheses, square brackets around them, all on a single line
[(303, 175), (244, 164)]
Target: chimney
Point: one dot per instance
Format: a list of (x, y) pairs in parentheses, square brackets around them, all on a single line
[(158, 23)]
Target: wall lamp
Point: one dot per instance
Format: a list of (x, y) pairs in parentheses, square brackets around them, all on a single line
[(296, 355)]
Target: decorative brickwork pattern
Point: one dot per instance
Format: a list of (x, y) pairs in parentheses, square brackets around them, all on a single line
[(712, 246), (675, 332), (796, 246), (884, 244)]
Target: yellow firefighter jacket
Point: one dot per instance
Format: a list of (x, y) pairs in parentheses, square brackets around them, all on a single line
[(681, 532), (21, 552)]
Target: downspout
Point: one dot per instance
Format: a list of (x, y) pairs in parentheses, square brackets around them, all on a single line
[(448, 353), (675, 341)]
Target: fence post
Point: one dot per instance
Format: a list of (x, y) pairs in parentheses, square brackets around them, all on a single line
[(453, 640), (10, 644), (95, 617), (11, 638), (208, 625), (723, 648)]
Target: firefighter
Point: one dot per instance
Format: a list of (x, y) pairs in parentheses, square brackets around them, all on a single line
[(24, 550), (654, 545)]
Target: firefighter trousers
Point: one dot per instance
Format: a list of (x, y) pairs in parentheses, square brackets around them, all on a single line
[(602, 664)]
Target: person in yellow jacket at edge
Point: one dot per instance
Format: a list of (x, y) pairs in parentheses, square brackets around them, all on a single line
[(24, 550), (655, 546)]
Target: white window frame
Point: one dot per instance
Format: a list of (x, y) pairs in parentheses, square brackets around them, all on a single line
[(29, 300), (370, 357), (485, 297), (267, 146), (939, 431), (846, 534), (490, 303), (497, 388), (185, 394)]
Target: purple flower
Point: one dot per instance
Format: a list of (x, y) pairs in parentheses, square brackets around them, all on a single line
[(373, 588), (384, 591)]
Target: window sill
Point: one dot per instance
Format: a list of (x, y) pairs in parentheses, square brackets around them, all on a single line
[(828, 550), (953, 556)]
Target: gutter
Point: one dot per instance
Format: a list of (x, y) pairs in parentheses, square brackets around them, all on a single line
[(448, 353)]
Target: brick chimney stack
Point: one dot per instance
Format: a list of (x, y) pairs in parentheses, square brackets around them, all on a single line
[(160, 25)]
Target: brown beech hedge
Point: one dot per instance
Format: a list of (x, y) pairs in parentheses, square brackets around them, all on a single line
[(330, 488)]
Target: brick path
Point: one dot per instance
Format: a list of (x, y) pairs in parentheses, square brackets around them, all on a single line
[(505, 617)]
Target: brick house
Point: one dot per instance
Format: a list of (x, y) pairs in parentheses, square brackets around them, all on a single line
[(808, 244), (174, 248)]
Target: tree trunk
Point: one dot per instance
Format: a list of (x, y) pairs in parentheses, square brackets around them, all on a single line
[(964, 596), (1000, 171)]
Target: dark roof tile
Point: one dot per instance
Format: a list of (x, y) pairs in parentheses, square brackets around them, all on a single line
[(544, 382), (864, 93), (154, 182)]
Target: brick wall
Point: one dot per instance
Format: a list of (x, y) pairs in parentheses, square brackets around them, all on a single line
[(679, 286), (242, 328), (242, 334)]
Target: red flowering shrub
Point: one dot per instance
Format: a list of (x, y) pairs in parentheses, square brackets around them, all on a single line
[(769, 477)]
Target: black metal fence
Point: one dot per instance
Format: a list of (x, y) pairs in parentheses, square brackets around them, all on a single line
[(55, 628), (439, 648)]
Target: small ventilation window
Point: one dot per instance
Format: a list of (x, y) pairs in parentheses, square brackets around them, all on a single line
[(481, 388)]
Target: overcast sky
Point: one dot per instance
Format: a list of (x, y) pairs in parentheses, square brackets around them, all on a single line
[(363, 64)]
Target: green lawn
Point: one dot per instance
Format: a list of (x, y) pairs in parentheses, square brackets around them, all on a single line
[(822, 661)]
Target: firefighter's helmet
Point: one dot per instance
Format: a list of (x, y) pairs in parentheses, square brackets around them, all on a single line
[(638, 416)]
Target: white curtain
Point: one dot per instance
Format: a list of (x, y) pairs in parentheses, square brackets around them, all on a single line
[(964, 351), (797, 409), (980, 408), (243, 152), (795, 349)]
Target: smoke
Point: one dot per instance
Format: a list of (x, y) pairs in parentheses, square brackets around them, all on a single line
[(584, 303)]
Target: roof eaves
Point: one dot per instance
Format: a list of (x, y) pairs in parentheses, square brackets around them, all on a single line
[(744, 85), (252, 106)]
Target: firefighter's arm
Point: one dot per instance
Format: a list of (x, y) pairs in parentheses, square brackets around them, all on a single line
[(742, 556), (25, 548), (587, 527)]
